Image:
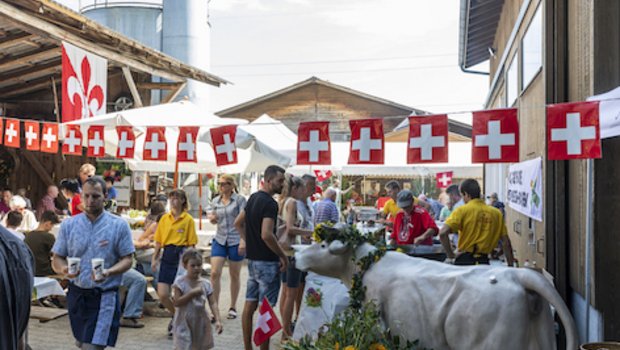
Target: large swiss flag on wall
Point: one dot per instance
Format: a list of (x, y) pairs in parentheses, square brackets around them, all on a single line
[(573, 131)]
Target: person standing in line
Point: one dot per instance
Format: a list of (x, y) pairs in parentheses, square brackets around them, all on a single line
[(175, 233), (94, 236), (225, 209), (257, 227)]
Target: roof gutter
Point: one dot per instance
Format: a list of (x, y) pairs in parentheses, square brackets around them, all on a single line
[(464, 25)]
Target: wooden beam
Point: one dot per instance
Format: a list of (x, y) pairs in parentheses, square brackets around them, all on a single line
[(15, 40), (137, 100), (45, 29), (33, 85), (40, 170), (29, 57), (22, 75), (173, 94), (158, 86)]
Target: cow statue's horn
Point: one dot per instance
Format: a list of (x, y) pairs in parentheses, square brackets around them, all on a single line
[(337, 247)]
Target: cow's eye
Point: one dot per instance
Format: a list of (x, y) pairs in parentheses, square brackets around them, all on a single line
[(323, 245)]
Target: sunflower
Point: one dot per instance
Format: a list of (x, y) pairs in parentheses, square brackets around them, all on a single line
[(377, 346)]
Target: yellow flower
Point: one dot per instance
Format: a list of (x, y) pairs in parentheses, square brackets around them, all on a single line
[(350, 347), (337, 346), (377, 346)]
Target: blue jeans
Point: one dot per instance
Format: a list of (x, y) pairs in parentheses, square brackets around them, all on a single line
[(263, 281), (135, 283)]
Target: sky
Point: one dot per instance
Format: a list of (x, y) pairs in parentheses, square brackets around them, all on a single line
[(400, 50)]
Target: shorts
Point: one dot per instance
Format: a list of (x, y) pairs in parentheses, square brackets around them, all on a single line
[(169, 265), (263, 281), (228, 251), (292, 276)]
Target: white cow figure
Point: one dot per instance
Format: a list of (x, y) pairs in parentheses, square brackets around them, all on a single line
[(447, 306)]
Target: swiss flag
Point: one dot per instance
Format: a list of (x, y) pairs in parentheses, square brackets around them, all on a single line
[(96, 143), (186, 146), (366, 141), (126, 142), (223, 142), (73, 141), (495, 136), (322, 175), (11, 133), (444, 179), (32, 133), (267, 323), (155, 146), (313, 144), (428, 139), (573, 131), (49, 138)]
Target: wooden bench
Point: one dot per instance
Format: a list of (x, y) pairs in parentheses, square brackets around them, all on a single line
[(45, 314)]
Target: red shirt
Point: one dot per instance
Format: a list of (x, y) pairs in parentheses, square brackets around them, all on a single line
[(75, 201), (416, 225)]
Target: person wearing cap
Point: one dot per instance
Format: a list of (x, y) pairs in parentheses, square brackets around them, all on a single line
[(480, 228), (40, 241), (412, 224)]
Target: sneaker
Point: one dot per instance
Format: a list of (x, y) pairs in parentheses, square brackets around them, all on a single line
[(131, 323), (170, 329)]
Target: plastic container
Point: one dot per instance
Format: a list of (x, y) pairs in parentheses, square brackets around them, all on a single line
[(601, 346)]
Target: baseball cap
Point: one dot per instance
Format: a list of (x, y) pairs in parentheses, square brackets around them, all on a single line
[(404, 199)]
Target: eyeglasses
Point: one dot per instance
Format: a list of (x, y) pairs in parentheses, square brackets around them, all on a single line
[(223, 183)]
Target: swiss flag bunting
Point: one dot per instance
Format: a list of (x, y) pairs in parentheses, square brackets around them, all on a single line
[(126, 142), (428, 139), (155, 146), (186, 145), (49, 138), (96, 141), (72, 143), (366, 141), (313, 144), (11, 133), (444, 179), (495, 136), (32, 134), (322, 175), (573, 131), (223, 142), (267, 323)]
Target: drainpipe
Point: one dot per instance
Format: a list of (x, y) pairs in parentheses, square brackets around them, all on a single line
[(589, 233)]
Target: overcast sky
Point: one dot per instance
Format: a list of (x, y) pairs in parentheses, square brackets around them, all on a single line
[(402, 50)]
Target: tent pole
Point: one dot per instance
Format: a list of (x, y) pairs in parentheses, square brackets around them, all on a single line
[(199, 201), (176, 173)]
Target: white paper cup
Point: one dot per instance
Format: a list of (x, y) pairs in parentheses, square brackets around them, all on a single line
[(74, 265), (97, 264)]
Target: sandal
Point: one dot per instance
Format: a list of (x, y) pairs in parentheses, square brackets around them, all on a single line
[(232, 314)]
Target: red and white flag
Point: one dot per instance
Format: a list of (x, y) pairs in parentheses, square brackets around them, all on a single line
[(322, 175), (126, 142), (11, 133), (186, 145), (428, 139), (444, 179), (495, 136), (366, 141), (223, 142), (267, 323), (155, 146), (573, 131), (95, 141), (49, 138), (84, 83), (32, 133), (72, 144), (313, 144)]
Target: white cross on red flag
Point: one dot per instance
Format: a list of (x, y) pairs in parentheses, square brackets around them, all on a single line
[(313, 144), (267, 323), (11, 133), (223, 142), (366, 141), (32, 134), (155, 146), (573, 131), (126, 142), (495, 136), (322, 175), (49, 138), (95, 141), (444, 179), (84, 83), (72, 144), (186, 145), (428, 139)]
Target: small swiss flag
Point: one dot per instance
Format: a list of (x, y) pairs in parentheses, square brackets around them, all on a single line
[(96, 144), (126, 142), (573, 131), (444, 179), (73, 141), (32, 133), (495, 136), (223, 142), (186, 146), (322, 175), (155, 146), (428, 139), (11, 133), (366, 141), (313, 144), (49, 138), (267, 323)]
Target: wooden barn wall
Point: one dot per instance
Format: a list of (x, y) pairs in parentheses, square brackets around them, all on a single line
[(507, 20)]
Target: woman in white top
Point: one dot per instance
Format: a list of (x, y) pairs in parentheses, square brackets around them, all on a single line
[(29, 221)]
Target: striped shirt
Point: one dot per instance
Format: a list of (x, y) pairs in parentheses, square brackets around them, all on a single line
[(325, 210)]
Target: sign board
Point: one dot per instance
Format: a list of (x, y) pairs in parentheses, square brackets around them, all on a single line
[(525, 188), (123, 191), (139, 180)]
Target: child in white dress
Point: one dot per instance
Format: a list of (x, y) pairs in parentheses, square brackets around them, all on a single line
[(191, 324)]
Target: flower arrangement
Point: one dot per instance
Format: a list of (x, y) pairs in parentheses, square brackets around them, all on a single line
[(314, 297)]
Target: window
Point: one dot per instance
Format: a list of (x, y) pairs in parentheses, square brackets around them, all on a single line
[(531, 49), (512, 84)]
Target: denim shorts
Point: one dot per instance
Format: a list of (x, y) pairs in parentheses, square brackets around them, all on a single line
[(169, 264), (292, 276), (227, 251), (263, 281)]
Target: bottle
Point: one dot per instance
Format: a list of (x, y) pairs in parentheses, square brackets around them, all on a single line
[(526, 263)]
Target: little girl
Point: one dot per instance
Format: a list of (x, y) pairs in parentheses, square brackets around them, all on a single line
[(191, 325)]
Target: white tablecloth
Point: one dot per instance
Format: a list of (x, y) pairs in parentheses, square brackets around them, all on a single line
[(45, 286)]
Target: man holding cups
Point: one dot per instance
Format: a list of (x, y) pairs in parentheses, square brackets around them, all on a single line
[(93, 249)]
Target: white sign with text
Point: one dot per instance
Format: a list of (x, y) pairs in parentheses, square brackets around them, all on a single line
[(525, 188)]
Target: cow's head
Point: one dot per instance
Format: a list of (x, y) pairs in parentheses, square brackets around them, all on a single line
[(332, 259)]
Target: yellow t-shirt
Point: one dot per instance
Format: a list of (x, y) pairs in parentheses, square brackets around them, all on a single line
[(480, 226), (180, 232), (391, 208)]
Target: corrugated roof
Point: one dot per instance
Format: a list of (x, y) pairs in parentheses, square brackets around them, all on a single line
[(478, 24)]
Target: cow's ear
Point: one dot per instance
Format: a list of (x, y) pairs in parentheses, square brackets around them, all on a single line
[(337, 247)]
